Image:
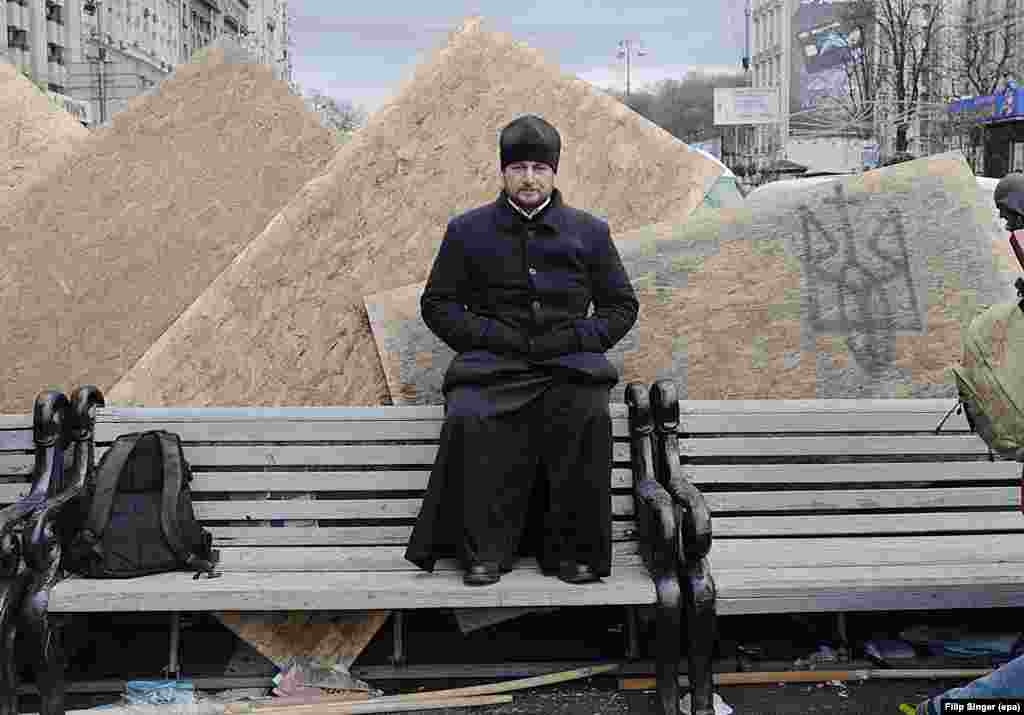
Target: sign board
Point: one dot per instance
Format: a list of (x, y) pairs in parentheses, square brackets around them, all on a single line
[(76, 108), (869, 156), (746, 105)]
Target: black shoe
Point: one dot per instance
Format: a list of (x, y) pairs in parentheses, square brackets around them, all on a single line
[(482, 574), (572, 572)]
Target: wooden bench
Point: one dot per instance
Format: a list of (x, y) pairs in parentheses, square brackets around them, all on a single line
[(41, 454), (843, 506), (311, 509)]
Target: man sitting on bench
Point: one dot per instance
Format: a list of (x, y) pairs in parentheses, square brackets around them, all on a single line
[(528, 390)]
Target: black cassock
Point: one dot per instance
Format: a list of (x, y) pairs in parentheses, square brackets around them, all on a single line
[(526, 441)]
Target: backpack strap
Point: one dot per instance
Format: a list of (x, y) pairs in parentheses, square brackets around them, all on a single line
[(108, 474), (174, 473)]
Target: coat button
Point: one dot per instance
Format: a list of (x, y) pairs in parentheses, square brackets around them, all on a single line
[(533, 271), (536, 305)]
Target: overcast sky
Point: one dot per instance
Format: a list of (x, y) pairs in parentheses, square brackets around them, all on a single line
[(362, 51)]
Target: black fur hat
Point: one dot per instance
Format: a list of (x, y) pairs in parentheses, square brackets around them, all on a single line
[(530, 138)]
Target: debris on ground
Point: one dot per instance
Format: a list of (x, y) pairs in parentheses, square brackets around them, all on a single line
[(721, 707), (962, 642)]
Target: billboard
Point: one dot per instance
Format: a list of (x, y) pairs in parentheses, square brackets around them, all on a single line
[(822, 45), (746, 105)]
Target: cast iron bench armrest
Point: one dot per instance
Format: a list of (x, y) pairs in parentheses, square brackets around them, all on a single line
[(694, 517)]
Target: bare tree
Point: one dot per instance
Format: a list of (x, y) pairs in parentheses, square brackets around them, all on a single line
[(982, 59), (340, 116), (899, 40), (685, 107)]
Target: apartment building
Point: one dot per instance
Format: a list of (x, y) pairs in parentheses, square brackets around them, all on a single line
[(770, 22), (105, 52)]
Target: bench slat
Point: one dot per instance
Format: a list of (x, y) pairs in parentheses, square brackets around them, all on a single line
[(11, 492), (178, 592), (867, 551), (378, 413), (333, 481), (207, 430), (828, 446), (322, 455), (16, 464), (19, 421), (16, 439), (795, 474), (869, 588), (773, 417), (344, 535), (863, 499), (264, 509), (731, 526), (350, 558)]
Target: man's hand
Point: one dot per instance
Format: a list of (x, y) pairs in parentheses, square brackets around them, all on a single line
[(561, 341), (502, 339)]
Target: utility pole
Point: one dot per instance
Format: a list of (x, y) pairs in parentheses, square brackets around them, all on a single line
[(94, 7), (625, 50)]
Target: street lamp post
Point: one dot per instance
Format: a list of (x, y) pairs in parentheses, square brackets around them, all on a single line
[(625, 50)]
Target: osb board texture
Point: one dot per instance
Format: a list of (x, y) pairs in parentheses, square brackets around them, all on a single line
[(860, 292), (285, 324), (336, 638), (97, 262), (36, 136)]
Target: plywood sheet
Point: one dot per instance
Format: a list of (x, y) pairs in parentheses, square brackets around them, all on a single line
[(99, 259), (286, 324), (36, 136), (856, 288)]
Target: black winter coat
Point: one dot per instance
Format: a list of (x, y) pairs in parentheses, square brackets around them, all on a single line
[(507, 293)]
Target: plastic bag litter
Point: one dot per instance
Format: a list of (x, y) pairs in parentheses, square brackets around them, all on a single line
[(721, 707), (159, 692)]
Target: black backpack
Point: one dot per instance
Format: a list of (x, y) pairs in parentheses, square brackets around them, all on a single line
[(137, 515)]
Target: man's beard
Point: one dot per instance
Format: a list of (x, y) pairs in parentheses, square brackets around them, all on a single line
[(529, 200)]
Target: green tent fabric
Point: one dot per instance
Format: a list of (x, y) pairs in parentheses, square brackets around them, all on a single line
[(990, 379)]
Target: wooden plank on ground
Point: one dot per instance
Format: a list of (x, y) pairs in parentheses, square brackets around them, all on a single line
[(179, 592), (334, 638)]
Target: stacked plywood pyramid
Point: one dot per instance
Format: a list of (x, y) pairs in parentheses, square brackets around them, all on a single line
[(858, 287), (285, 323), (97, 261), (36, 136)]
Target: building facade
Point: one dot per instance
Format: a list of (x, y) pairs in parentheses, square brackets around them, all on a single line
[(106, 52), (769, 67)]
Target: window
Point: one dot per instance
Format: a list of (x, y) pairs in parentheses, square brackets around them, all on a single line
[(55, 53), (988, 46), (1011, 39), (54, 13), (17, 39)]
